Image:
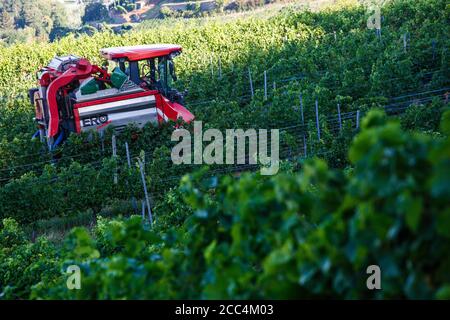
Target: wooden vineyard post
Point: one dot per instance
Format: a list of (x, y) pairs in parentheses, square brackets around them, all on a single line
[(127, 149), (305, 149), (102, 139), (133, 199), (114, 152), (357, 119), (251, 82), (339, 116), (317, 119), (144, 184), (379, 28), (212, 67), (301, 108), (220, 69), (265, 85)]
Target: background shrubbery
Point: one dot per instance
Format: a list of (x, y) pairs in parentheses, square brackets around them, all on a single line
[(311, 234)]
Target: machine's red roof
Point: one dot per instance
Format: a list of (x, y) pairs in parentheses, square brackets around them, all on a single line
[(134, 53)]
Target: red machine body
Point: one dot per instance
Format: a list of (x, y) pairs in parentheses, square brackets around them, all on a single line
[(137, 91)]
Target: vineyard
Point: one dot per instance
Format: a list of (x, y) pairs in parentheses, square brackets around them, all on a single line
[(364, 176)]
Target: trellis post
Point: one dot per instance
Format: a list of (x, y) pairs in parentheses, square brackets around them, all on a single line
[(144, 184), (265, 85), (303, 126), (212, 67), (357, 119), (133, 199), (102, 139), (379, 27), (317, 119), (127, 149), (301, 108), (114, 152), (339, 116), (251, 82)]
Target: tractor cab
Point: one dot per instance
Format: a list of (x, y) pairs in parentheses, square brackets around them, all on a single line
[(75, 96), (148, 66)]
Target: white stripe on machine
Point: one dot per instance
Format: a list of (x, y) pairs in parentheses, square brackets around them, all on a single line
[(139, 117), (132, 114), (162, 114), (115, 105)]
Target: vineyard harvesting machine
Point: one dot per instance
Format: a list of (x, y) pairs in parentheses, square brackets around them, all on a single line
[(75, 95)]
